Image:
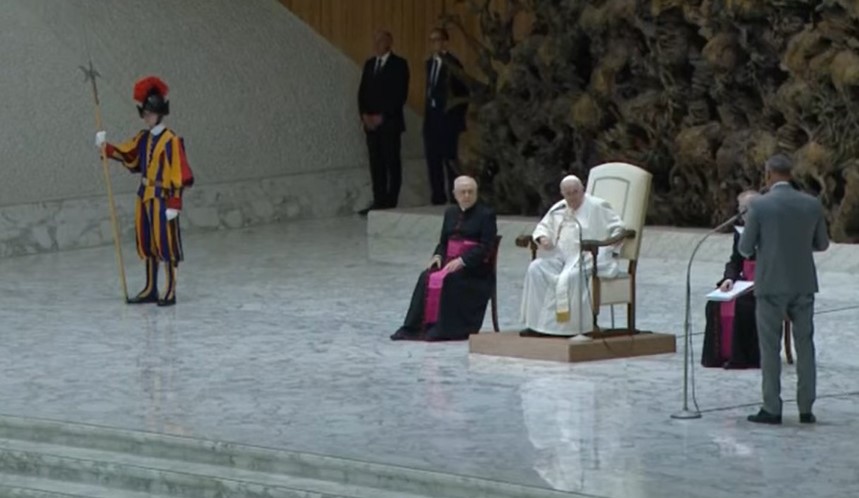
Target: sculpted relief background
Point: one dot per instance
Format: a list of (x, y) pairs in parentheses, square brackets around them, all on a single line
[(699, 93)]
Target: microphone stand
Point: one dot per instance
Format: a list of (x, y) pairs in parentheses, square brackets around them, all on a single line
[(582, 277), (686, 413)]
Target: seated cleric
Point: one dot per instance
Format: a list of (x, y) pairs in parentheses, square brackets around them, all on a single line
[(556, 296), (450, 298), (731, 334)]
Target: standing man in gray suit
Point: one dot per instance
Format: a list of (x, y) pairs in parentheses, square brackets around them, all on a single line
[(783, 229)]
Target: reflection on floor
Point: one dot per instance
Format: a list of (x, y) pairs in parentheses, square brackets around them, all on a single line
[(280, 338)]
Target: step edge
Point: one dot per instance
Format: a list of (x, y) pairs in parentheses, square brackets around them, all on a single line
[(330, 463), (180, 476)]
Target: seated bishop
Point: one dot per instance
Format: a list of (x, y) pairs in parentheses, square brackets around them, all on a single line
[(450, 298), (556, 299), (731, 333)]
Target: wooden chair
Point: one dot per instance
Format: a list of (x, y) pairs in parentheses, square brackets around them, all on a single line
[(493, 259), (627, 189)]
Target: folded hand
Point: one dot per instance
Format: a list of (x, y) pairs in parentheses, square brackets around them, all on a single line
[(454, 265), (545, 244)]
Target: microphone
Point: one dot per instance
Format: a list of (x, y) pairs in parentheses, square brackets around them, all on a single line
[(685, 413)]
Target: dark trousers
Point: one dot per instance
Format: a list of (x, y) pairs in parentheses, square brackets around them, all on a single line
[(770, 313), (386, 167), (441, 145)]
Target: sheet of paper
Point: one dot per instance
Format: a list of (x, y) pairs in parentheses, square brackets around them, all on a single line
[(740, 287)]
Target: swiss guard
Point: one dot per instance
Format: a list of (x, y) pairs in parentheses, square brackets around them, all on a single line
[(158, 154)]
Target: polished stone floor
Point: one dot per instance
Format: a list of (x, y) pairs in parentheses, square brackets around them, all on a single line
[(280, 339)]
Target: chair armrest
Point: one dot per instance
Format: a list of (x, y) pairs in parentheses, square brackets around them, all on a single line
[(529, 243), (594, 245), (524, 241)]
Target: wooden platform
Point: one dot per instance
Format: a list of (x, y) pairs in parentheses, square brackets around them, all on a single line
[(608, 346)]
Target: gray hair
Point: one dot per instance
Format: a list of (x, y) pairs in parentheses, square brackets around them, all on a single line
[(463, 180), (572, 179), (780, 164)]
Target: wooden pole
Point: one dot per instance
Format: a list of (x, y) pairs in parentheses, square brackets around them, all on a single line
[(91, 75)]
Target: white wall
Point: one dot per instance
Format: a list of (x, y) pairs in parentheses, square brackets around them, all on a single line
[(267, 108)]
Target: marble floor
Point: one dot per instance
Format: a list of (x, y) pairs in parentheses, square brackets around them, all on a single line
[(280, 339)]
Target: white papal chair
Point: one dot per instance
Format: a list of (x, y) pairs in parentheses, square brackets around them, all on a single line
[(627, 189)]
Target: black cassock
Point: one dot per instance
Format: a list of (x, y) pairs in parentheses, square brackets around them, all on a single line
[(745, 352), (466, 292)]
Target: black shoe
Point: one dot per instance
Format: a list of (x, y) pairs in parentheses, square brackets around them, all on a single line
[(141, 298), (764, 417), (404, 334), (167, 302), (807, 418)]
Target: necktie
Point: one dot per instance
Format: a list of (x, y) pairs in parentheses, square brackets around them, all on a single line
[(378, 65), (436, 66)]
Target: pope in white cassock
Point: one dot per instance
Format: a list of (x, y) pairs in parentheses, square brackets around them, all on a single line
[(556, 299)]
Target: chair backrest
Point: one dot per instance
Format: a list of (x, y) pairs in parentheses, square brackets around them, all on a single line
[(627, 189)]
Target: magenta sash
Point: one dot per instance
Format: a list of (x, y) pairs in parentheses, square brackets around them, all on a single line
[(749, 269), (455, 248), (727, 313)]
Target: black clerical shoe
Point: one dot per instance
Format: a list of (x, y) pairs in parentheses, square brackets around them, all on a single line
[(167, 302), (142, 298), (807, 418), (764, 417), (404, 334)]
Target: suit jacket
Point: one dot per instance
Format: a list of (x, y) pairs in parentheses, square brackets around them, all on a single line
[(783, 229), (446, 88), (385, 93)]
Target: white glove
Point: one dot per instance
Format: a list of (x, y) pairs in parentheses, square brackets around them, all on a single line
[(171, 213), (100, 138)]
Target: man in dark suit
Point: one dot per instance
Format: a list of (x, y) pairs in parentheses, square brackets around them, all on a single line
[(444, 118), (783, 229), (381, 97)]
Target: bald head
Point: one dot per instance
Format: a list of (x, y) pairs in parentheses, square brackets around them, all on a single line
[(464, 181), (571, 180), (465, 191), (382, 42), (573, 191)]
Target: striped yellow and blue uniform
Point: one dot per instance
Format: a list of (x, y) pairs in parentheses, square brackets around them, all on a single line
[(164, 174)]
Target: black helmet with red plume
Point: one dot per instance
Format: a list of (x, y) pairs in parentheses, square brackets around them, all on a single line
[(151, 92)]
